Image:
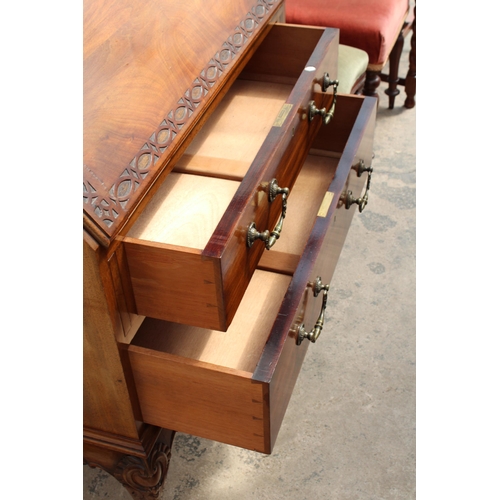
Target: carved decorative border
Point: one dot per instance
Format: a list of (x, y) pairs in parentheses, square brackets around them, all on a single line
[(109, 207)]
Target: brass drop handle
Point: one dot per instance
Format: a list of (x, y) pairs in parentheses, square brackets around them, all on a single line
[(327, 115), (349, 199), (318, 327), (270, 238)]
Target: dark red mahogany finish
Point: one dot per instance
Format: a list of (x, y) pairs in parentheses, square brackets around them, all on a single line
[(282, 358)]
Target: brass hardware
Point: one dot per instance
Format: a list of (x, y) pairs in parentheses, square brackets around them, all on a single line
[(349, 199), (327, 82), (318, 327), (327, 115), (275, 190), (360, 167), (325, 204), (283, 113), (270, 238)]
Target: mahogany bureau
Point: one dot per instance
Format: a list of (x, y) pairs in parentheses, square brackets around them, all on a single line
[(221, 175)]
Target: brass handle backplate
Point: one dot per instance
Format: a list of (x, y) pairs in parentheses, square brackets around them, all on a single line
[(349, 199), (327, 82), (360, 167), (327, 115), (270, 238), (318, 327)]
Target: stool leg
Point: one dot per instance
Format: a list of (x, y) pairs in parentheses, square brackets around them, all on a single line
[(411, 77), (371, 83), (392, 91)]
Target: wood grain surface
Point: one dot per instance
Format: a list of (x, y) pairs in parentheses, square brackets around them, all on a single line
[(220, 401), (228, 143), (185, 211), (149, 75), (185, 376), (241, 346), (276, 150), (107, 402)]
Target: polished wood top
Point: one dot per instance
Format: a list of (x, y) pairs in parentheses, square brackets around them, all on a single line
[(150, 69)]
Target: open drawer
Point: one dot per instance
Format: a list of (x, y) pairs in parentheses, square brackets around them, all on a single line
[(188, 258), (234, 387)]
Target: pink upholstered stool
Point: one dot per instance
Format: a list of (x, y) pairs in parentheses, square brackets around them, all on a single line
[(376, 26)]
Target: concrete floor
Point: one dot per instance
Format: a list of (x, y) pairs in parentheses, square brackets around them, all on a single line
[(349, 431)]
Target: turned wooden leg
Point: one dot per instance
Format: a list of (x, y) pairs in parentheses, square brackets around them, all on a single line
[(371, 83), (411, 77), (142, 476), (392, 91)]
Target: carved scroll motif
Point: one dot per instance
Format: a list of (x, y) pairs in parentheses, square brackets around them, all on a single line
[(109, 207), (144, 478)]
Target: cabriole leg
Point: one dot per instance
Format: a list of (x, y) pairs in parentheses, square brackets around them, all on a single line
[(143, 477)]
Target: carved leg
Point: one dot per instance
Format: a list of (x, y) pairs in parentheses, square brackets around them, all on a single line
[(371, 83), (411, 77), (142, 476), (392, 91)]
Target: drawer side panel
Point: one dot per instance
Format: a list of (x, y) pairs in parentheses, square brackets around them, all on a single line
[(175, 284), (197, 398)]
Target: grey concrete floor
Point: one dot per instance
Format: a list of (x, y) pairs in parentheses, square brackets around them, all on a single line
[(349, 431)]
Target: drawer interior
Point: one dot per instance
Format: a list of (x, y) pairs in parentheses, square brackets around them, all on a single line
[(302, 208), (192, 224), (309, 197), (241, 346), (283, 54), (185, 211), (228, 142)]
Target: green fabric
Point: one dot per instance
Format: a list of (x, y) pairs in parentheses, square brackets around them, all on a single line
[(352, 64)]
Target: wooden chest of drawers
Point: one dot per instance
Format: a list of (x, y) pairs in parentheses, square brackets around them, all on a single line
[(234, 386), (212, 225)]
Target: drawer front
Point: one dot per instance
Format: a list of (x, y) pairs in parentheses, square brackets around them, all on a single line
[(282, 358), (185, 378), (203, 286)]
